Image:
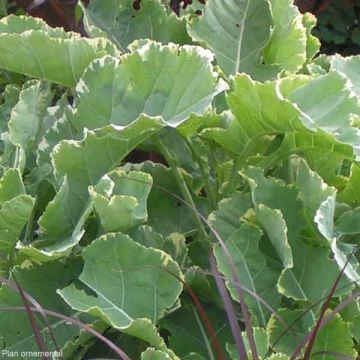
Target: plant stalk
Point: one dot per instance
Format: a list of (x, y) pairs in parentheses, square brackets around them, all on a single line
[(181, 183)]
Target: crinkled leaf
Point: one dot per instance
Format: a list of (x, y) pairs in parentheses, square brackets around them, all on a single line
[(168, 81), (32, 48), (123, 24), (179, 218), (91, 158), (287, 46), (349, 67), (144, 287), (342, 251), (123, 205), (26, 122)]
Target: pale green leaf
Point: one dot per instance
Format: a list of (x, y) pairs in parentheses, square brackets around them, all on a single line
[(168, 81), (123, 24), (236, 31), (144, 287), (123, 206), (26, 122), (152, 354), (287, 46), (179, 218), (93, 157), (251, 268), (343, 252), (349, 67), (29, 47)]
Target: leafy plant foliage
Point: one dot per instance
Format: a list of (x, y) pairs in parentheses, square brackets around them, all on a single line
[(249, 151)]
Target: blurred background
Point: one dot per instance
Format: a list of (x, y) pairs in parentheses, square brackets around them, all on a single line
[(338, 20)]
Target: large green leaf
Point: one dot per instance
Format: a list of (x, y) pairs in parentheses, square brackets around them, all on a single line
[(285, 224), (145, 288), (236, 31), (91, 158), (251, 268), (168, 81), (287, 46), (32, 48), (283, 110), (348, 67), (330, 108), (123, 24), (163, 200)]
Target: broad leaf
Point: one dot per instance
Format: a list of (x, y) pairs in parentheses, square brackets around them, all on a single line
[(100, 152), (252, 270), (287, 46), (349, 68), (236, 32), (51, 54), (145, 286), (168, 81), (123, 24)]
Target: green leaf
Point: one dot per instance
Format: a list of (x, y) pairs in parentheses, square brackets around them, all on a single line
[(26, 122), (227, 219), (270, 111), (152, 354), (312, 42), (179, 218), (91, 158), (343, 252), (350, 194), (123, 24), (188, 333), (41, 282), (236, 32), (145, 288), (168, 81), (252, 270), (284, 223), (348, 67), (287, 46), (261, 342), (15, 210), (9, 97), (51, 54), (123, 204), (334, 336), (330, 108)]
